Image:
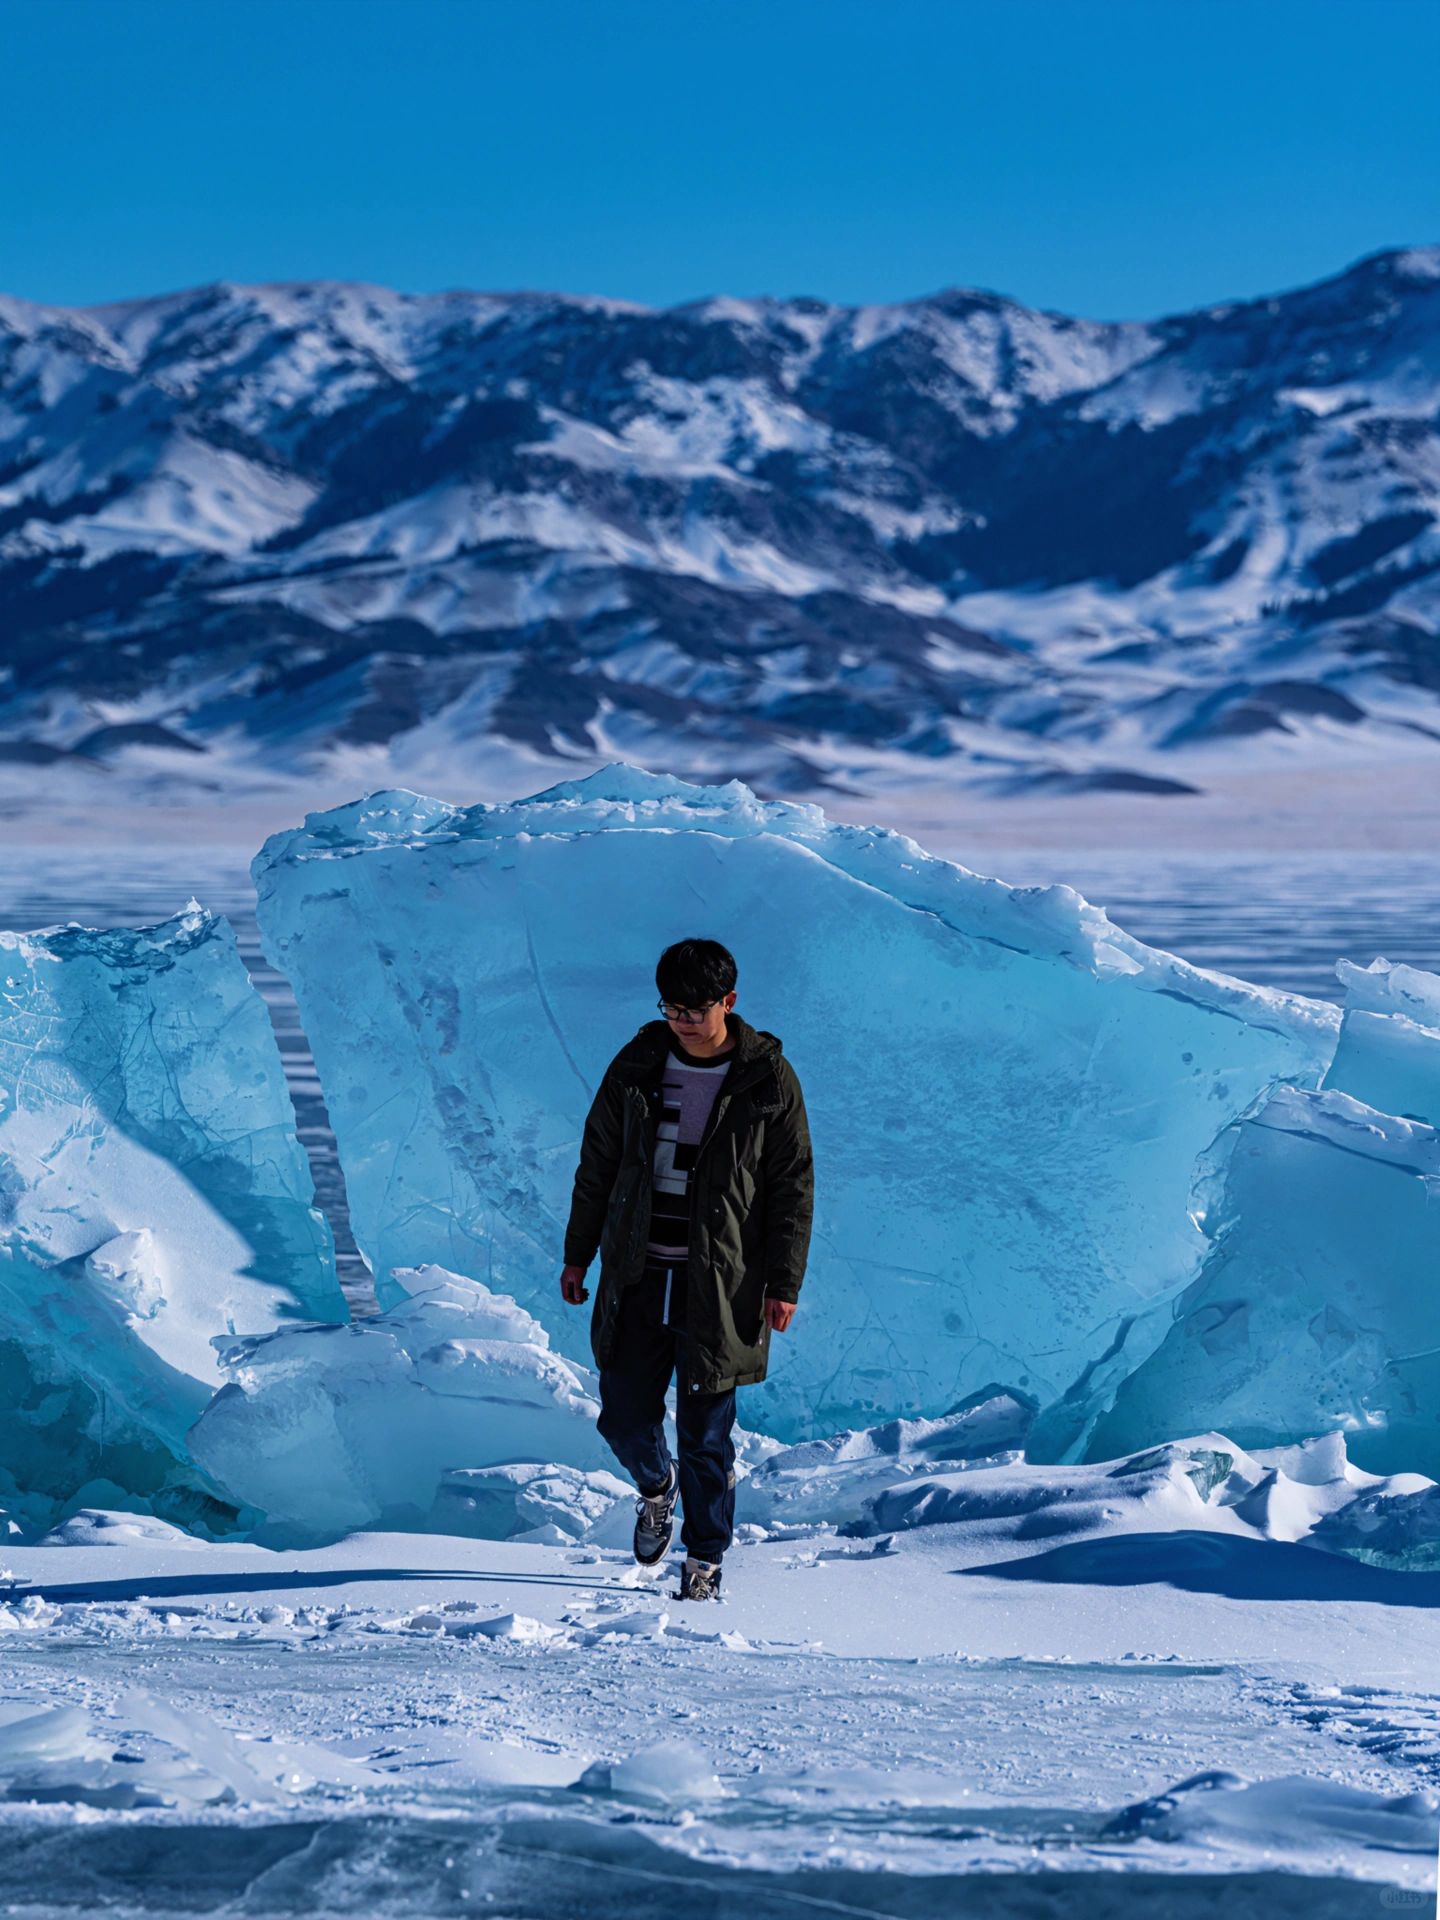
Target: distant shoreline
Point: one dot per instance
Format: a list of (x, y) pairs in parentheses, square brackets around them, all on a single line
[(1392, 808)]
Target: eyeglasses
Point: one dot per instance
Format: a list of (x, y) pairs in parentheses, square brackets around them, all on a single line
[(688, 1016)]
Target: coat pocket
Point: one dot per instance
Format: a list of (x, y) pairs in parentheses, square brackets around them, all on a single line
[(743, 1309)]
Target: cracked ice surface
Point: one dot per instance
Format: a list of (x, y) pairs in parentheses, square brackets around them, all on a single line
[(1008, 1095), (153, 1195)]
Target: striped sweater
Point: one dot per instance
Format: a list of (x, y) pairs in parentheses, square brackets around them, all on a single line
[(689, 1088)]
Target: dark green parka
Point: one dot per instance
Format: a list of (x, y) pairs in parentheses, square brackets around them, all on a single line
[(751, 1200)]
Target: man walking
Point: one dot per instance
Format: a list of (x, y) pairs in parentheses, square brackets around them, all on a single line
[(695, 1186)]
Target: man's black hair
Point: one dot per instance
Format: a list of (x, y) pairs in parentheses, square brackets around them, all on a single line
[(691, 973)]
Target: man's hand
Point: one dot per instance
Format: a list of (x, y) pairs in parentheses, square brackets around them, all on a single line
[(779, 1313), (572, 1286)]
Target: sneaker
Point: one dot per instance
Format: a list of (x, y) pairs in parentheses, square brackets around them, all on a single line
[(655, 1522), (699, 1580)]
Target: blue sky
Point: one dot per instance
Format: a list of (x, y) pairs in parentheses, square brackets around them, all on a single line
[(1117, 158)]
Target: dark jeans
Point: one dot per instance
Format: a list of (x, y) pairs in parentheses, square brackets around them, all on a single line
[(632, 1413)]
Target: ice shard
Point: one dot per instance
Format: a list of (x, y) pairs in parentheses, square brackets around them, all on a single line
[(1318, 1307), (153, 1196), (1388, 1052)]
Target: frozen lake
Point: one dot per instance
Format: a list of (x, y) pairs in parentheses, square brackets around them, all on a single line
[(1279, 919)]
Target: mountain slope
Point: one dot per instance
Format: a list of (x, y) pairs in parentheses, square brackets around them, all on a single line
[(299, 526)]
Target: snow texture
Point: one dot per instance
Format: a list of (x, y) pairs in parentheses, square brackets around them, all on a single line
[(1222, 1807), (153, 1197), (832, 1480), (1311, 1492), (401, 1723)]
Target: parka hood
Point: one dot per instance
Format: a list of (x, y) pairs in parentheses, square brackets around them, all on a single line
[(755, 1048)]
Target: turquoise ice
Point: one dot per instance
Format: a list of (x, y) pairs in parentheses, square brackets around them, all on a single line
[(1318, 1306), (1388, 1052), (1008, 1095), (1056, 1169), (153, 1196)]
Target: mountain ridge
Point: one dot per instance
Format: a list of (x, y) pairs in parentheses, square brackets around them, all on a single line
[(952, 539)]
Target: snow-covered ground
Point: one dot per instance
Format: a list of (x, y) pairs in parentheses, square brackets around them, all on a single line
[(996, 1716)]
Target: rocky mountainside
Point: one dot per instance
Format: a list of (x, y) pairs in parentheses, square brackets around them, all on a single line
[(308, 525)]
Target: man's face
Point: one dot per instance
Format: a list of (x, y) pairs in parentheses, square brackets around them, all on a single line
[(696, 1025)]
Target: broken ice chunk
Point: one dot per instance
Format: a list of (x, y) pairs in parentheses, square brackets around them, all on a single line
[(1317, 1307), (153, 1195)]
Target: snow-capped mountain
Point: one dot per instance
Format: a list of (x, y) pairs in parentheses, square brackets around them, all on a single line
[(291, 526)]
